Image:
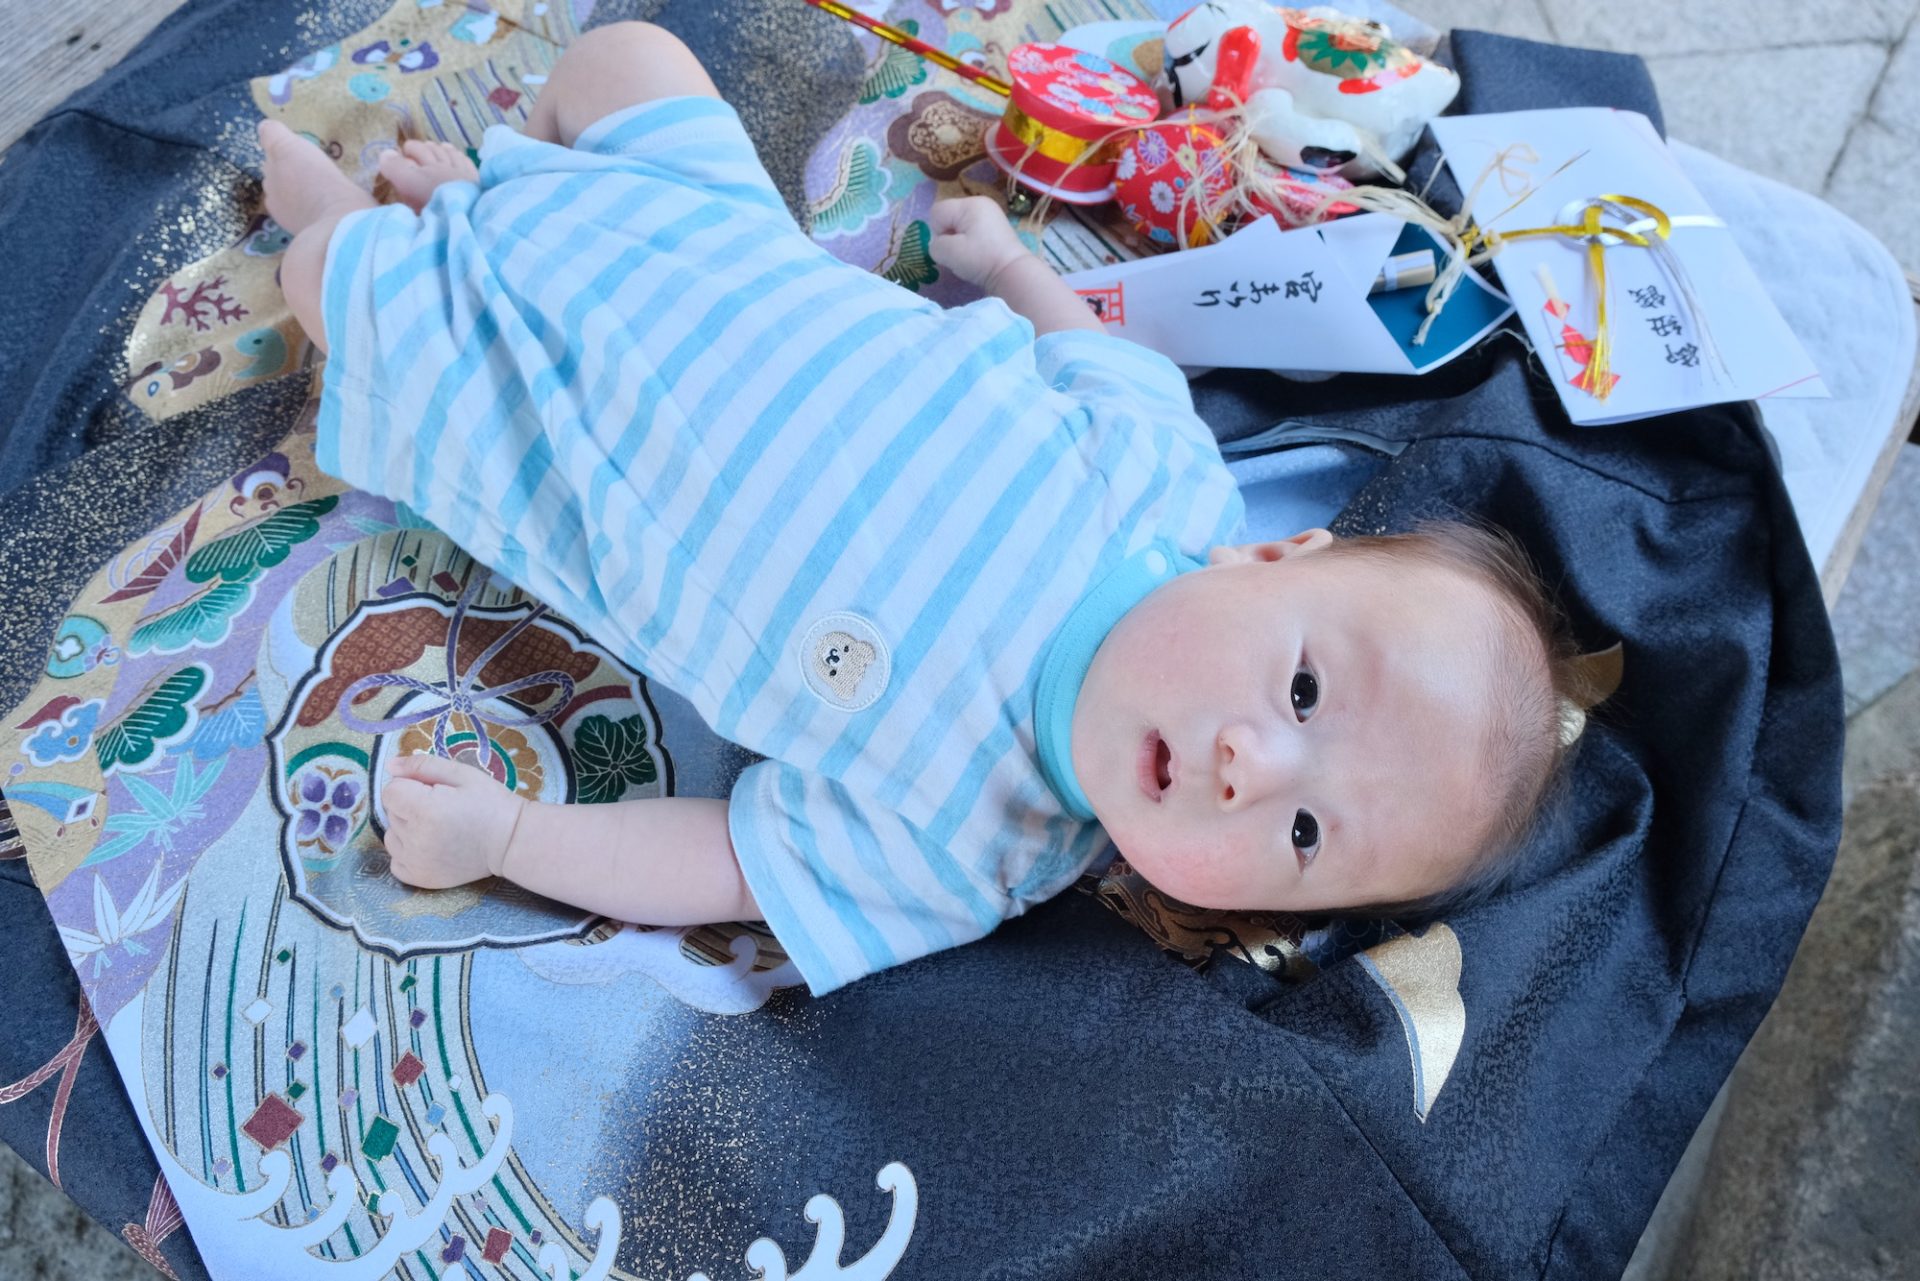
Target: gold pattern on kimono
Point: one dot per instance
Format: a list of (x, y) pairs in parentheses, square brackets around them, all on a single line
[(446, 72), (1420, 974), (1270, 940)]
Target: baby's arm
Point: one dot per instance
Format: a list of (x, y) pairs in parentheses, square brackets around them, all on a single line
[(972, 238), (662, 861)]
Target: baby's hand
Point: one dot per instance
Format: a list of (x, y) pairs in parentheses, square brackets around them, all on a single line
[(447, 823), (972, 238)]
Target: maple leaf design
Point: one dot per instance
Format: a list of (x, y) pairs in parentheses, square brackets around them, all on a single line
[(162, 815), (201, 308)]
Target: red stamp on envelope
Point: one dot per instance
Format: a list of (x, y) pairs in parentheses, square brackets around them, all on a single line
[(1109, 303)]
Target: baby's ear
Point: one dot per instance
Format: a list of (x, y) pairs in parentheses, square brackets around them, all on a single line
[(1307, 540)]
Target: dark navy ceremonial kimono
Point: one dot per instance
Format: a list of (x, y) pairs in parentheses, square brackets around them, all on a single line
[(1097, 1108)]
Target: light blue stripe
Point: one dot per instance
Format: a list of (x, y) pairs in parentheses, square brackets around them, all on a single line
[(755, 193), (691, 540), (1058, 847), (1134, 368), (622, 341), (659, 383), (845, 908), (539, 456), (1179, 508), (389, 284), (749, 824), (348, 248), (398, 279), (1205, 481), (875, 863), (1105, 380), (1018, 707), (1060, 859), (695, 427), (720, 394), (1233, 514), (726, 167), (855, 510), (947, 872), (955, 484), (965, 795), (486, 330), (1041, 571), (655, 116), (968, 564), (404, 278), (932, 619), (751, 192), (432, 421)]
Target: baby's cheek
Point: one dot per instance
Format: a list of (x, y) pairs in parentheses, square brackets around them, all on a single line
[(1219, 871), (1231, 873)]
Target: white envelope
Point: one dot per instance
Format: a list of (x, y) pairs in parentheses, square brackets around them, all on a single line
[(1729, 343), (1264, 298)]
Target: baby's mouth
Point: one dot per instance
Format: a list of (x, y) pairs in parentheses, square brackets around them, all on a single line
[(1155, 766)]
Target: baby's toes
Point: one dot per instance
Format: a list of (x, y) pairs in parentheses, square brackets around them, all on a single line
[(409, 179)]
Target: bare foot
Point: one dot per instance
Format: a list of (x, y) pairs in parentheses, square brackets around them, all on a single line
[(419, 166), (303, 186)]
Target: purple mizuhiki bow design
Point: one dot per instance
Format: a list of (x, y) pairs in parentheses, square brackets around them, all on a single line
[(458, 691)]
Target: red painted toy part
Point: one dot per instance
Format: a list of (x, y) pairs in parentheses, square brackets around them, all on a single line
[(1233, 71)]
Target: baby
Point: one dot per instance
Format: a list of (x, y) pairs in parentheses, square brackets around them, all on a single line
[(965, 578)]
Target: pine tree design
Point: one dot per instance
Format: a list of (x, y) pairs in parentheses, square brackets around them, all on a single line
[(896, 71)]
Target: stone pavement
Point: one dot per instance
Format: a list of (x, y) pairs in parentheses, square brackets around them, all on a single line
[(1809, 1165), (45, 1237)]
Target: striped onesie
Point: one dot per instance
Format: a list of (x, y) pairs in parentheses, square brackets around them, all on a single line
[(842, 521)]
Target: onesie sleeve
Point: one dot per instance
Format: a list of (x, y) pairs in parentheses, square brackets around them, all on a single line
[(847, 886), (1098, 366), (1135, 391), (695, 141)]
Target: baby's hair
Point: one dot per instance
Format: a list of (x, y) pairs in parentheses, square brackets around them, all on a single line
[(1538, 677)]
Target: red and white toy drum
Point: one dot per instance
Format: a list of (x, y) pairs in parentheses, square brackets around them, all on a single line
[(1174, 183), (1174, 180), (1059, 132)]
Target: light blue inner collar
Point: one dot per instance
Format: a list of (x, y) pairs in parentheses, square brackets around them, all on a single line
[(1063, 669)]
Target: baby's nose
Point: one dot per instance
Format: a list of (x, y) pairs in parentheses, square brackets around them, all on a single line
[(1252, 766)]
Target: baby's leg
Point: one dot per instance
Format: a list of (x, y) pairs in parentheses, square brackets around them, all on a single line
[(610, 67), (308, 196)]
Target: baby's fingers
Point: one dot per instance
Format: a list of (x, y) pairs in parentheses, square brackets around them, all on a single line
[(954, 215), (437, 770), (405, 799)]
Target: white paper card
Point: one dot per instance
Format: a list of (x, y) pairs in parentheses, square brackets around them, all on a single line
[(1264, 298), (1729, 344)]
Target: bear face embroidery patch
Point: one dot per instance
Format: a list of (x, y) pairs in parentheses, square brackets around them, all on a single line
[(844, 661)]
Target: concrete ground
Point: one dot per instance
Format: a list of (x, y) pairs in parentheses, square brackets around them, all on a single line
[(1809, 1165)]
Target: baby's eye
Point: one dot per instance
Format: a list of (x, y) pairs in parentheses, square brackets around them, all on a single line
[(1306, 694), (1306, 836)]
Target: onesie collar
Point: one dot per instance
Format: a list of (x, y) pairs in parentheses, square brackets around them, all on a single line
[(1063, 668)]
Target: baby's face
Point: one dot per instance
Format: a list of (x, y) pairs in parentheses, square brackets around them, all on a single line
[(1291, 730)]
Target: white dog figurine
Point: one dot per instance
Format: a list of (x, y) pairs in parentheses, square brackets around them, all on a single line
[(1329, 92)]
